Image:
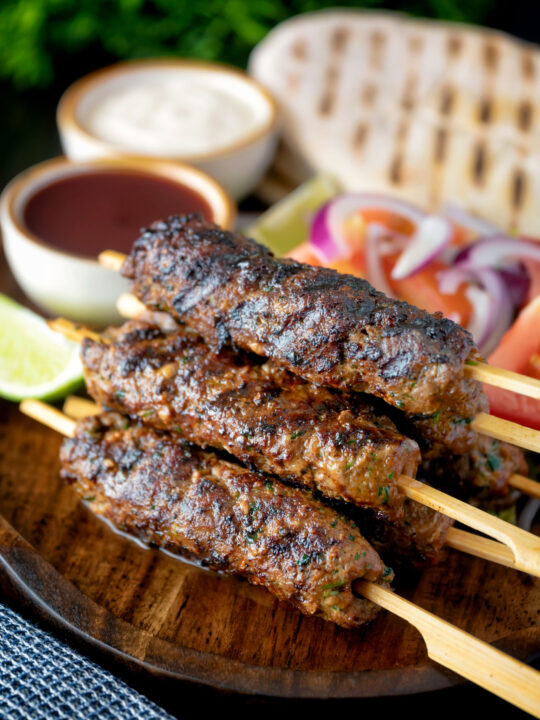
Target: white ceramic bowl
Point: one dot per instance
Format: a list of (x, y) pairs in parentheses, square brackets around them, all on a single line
[(68, 284), (238, 166)]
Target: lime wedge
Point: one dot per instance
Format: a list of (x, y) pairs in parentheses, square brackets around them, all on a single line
[(286, 224), (34, 360)]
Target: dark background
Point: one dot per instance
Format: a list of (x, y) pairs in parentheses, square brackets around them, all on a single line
[(44, 46)]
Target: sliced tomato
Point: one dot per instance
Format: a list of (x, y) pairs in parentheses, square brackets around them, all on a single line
[(533, 268), (422, 290), (517, 351), (304, 253), (395, 223)]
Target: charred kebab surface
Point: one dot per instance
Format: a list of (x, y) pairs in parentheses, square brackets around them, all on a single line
[(182, 498), (265, 416), (168, 379), (331, 329)]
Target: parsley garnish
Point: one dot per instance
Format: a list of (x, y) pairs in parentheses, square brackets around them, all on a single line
[(463, 421), (383, 490), (331, 586)]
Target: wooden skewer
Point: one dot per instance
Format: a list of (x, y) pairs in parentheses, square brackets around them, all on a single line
[(479, 546), (525, 546), (525, 485), (77, 407), (111, 259), (129, 306), (453, 648), (498, 377), (507, 431), (463, 653), (506, 379), (75, 332), (49, 416)]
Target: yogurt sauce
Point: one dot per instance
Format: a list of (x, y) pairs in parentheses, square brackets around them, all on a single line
[(171, 116)]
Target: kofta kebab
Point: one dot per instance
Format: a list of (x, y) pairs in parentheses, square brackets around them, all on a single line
[(331, 395), (271, 415)]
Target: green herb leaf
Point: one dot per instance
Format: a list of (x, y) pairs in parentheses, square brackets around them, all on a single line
[(383, 490)]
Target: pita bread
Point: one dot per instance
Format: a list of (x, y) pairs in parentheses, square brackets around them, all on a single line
[(433, 112)]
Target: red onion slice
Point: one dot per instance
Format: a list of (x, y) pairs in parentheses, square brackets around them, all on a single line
[(323, 241), (491, 321), (432, 236), (517, 281), (492, 307), (345, 205), (374, 267), (481, 316), (449, 280), (495, 250), (328, 225)]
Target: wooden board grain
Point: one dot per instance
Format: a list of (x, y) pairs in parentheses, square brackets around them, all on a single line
[(183, 621)]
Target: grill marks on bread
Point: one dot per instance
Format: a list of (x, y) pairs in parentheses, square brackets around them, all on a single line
[(467, 98)]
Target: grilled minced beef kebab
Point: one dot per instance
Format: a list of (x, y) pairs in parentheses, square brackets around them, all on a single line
[(265, 416), (417, 540), (479, 476), (269, 419), (171, 494), (332, 329)]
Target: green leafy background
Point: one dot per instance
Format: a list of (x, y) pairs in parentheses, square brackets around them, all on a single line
[(45, 41)]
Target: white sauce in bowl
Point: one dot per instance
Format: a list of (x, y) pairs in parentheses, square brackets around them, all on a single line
[(173, 113)]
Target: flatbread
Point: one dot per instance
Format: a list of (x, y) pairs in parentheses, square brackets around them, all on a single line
[(437, 113)]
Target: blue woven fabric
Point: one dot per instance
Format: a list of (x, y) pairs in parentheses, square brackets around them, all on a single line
[(42, 679)]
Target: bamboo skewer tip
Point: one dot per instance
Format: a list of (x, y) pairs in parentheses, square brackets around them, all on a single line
[(111, 259)]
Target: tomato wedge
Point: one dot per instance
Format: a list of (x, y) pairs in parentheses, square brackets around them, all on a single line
[(422, 290), (517, 351)]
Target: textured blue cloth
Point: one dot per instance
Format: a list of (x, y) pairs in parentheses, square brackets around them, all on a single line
[(42, 679)]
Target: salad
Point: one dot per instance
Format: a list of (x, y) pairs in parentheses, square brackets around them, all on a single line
[(449, 262)]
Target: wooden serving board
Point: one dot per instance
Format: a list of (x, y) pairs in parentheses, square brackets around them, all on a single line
[(178, 620)]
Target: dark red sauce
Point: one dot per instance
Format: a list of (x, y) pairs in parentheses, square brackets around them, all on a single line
[(87, 213)]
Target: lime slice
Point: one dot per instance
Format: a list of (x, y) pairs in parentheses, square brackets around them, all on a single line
[(34, 360), (286, 224)]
